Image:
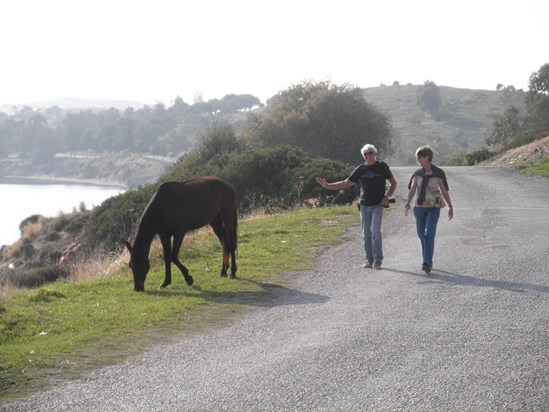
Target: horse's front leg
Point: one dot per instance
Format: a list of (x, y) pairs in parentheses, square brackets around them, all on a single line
[(167, 249), (177, 241)]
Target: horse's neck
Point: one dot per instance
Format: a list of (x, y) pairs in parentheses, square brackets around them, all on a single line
[(144, 238)]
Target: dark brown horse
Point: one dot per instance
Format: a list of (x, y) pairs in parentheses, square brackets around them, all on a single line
[(176, 208)]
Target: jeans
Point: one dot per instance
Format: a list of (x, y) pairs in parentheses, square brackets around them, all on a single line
[(426, 225), (371, 217)]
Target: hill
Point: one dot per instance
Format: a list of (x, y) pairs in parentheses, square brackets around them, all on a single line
[(462, 123), (523, 156)]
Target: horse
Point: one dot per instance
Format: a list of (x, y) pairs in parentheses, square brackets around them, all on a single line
[(176, 208)]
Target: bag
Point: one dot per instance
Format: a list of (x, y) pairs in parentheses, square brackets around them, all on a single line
[(434, 199)]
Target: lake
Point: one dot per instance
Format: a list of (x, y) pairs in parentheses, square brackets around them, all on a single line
[(20, 200)]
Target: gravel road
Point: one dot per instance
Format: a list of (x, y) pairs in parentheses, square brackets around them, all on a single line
[(472, 336)]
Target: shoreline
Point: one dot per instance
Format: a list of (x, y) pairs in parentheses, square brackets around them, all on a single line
[(50, 180)]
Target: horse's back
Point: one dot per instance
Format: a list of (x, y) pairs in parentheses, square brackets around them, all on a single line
[(207, 188), (194, 203)]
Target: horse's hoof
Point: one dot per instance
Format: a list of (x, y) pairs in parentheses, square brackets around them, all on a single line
[(222, 275), (189, 281), (232, 275)]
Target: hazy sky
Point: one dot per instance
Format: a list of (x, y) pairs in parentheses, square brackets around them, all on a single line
[(155, 50)]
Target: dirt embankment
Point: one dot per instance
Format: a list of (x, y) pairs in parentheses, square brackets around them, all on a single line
[(521, 156)]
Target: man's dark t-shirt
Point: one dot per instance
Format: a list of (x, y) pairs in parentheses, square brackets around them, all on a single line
[(372, 182)]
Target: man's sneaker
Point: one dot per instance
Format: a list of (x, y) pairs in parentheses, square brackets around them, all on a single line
[(368, 265), (377, 264), (426, 268)]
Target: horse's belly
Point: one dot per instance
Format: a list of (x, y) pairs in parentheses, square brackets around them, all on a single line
[(183, 223)]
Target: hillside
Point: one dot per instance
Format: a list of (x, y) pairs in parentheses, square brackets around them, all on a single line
[(523, 156), (464, 120)]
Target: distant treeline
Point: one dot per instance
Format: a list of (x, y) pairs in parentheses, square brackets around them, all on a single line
[(158, 129)]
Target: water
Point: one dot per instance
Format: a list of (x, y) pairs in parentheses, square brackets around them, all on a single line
[(19, 201)]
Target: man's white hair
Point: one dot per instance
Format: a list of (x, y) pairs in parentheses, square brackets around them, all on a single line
[(368, 147)]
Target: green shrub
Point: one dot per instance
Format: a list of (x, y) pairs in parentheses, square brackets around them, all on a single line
[(469, 159), (116, 218), (270, 178), (279, 177)]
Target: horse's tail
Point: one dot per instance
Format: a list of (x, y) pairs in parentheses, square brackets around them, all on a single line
[(235, 229)]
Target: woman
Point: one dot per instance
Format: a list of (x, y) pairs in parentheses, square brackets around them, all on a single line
[(426, 181)]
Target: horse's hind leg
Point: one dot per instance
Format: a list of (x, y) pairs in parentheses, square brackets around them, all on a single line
[(177, 241), (233, 264), (219, 230), (230, 224), (167, 248)]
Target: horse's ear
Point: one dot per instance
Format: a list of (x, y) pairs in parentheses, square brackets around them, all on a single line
[(128, 246)]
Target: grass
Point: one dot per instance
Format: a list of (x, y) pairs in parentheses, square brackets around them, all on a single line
[(67, 328), (540, 168)]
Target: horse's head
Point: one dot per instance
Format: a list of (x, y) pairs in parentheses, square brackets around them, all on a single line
[(139, 264)]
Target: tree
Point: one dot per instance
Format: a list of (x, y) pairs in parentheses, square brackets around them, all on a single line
[(428, 98), (323, 119), (537, 101), (232, 103), (218, 140), (506, 127)]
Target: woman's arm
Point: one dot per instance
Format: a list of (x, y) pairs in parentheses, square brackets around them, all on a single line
[(411, 194), (446, 196)]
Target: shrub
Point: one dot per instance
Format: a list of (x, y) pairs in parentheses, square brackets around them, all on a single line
[(469, 159), (116, 218), (278, 177), (29, 220), (34, 277), (268, 178)]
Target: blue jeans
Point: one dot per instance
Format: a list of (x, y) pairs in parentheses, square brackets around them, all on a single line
[(371, 217), (426, 225)]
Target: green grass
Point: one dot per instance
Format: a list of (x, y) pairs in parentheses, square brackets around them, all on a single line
[(540, 168), (66, 329)]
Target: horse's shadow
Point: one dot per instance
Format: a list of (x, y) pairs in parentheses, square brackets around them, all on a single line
[(439, 276), (268, 295)]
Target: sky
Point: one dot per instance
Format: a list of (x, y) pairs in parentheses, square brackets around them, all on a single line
[(155, 50)]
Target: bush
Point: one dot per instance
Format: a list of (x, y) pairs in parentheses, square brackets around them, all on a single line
[(275, 178), (37, 276), (33, 219), (280, 177), (469, 159), (116, 218)]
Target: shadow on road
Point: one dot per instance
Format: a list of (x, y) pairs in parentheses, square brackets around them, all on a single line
[(268, 295), (468, 280)]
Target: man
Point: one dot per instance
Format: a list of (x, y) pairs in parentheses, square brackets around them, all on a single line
[(372, 175)]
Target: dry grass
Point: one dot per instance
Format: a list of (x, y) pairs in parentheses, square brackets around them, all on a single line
[(95, 266), (7, 289), (33, 229)]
